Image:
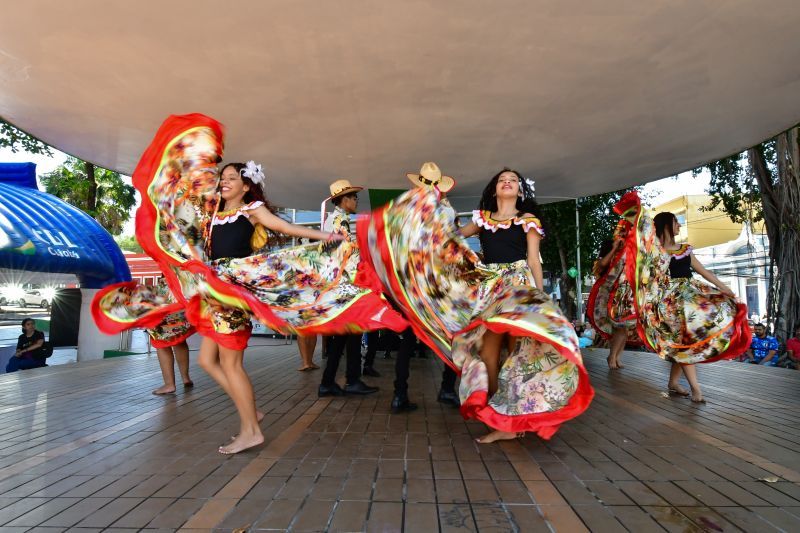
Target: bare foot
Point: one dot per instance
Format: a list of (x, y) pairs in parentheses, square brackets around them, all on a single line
[(259, 415), (619, 365), (242, 443), (612, 365), (166, 389), (188, 384), (678, 390), (498, 435), (307, 368)]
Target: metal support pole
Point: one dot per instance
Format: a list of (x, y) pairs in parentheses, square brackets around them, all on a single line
[(578, 280)]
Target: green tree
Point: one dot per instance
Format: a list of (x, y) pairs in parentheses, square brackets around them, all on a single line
[(105, 197), (597, 223), (128, 243), (16, 139), (763, 183)]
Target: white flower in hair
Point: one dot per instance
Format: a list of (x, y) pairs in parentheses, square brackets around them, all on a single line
[(254, 172), (530, 183)]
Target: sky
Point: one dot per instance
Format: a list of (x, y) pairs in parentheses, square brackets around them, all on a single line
[(654, 193)]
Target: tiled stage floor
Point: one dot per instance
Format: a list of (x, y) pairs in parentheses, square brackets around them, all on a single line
[(86, 447)]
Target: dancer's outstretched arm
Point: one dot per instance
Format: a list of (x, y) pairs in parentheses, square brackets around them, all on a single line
[(711, 278), (262, 215)]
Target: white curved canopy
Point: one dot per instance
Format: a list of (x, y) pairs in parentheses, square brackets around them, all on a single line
[(585, 97)]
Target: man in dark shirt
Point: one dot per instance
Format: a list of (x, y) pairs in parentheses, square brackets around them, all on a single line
[(29, 352)]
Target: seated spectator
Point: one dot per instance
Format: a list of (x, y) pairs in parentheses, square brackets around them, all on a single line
[(793, 349), (30, 352), (763, 348)]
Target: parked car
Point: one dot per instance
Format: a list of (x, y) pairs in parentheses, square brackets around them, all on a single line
[(33, 298)]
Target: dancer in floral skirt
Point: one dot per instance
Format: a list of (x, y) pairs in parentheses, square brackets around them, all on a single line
[(610, 308), (169, 340), (682, 319), (201, 227), (469, 312)]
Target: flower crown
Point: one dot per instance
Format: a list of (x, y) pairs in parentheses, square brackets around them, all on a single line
[(254, 172)]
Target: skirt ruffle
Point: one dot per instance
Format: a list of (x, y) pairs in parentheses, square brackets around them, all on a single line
[(684, 320), (610, 304), (420, 261), (300, 290)]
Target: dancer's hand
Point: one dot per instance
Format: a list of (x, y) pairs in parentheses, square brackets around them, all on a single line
[(728, 292)]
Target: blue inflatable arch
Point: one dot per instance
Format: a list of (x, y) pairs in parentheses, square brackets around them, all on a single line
[(41, 233)]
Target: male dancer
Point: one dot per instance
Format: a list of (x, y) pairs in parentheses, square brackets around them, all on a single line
[(345, 200)]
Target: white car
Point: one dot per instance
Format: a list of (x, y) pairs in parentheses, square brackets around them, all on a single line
[(24, 297)]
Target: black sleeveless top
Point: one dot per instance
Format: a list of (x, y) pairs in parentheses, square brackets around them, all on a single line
[(680, 264), (504, 242), (231, 239)]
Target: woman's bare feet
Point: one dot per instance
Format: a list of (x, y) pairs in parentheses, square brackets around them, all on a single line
[(498, 435), (677, 390), (307, 368), (165, 389), (242, 443), (612, 365)]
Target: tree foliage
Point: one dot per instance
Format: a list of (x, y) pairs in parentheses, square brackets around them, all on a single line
[(733, 186), (763, 183), (597, 223), (16, 139), (128, 243), (112, 197)]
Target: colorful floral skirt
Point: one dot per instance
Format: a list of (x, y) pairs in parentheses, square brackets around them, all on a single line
[(174, 329), (684, 320), (304, 289), (420, 261), (610, 303)]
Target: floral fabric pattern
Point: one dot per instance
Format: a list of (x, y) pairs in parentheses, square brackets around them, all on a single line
[(682, 319), (295, 290), (450, 298), (610, 303), (174, 328)]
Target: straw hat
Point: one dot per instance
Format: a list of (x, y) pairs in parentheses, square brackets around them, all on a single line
[(430, 175), (342, 187)]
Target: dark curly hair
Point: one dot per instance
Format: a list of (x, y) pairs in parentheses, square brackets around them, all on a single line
[(526, 204), (605, 248), (255, 193)]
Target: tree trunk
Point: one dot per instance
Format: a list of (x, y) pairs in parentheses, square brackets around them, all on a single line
[(91, 200), (781, 202)]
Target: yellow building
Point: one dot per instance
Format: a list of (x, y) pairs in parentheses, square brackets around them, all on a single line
[(699, 227)]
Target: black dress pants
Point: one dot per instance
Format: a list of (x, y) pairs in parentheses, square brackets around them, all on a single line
[(407, 344), (448, 379), (337, 345)]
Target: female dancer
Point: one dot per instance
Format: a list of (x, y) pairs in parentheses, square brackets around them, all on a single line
[(205, 256), (682, 319), (468, 312), (243, 208), (610, 308), (169, 340)]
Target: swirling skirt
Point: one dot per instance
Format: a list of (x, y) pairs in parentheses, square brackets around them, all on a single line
[(418, 259), (305, 289)]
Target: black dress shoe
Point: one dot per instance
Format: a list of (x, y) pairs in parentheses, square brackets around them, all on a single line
[(401, 404), (369, 371), (449, 398), (332, 390), (359, 387)]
